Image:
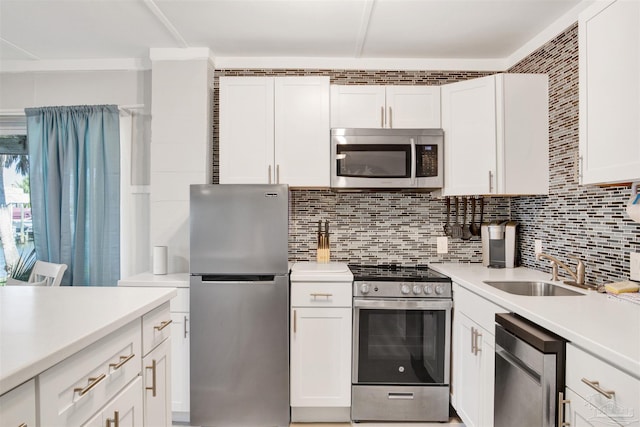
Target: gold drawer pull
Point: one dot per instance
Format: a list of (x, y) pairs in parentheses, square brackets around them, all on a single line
[(115, 420), (596, 386), (92, 383), (153, 378), (23, 425), (316, 295), (163, 325), (123, 360)]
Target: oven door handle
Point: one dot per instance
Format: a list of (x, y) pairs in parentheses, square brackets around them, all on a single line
[(408, 304)]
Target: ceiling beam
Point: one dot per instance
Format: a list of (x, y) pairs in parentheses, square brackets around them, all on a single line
[(165, 21), (367, 11)]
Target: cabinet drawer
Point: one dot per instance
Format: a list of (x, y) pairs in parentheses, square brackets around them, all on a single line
[(622, 405), (316, 294), (18, 406), (80, 385), (155, 327), (481, 310)]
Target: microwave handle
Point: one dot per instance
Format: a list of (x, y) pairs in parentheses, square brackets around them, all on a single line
[(414, 159)]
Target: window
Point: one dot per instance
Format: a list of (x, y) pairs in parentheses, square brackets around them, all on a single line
[(16, 232)]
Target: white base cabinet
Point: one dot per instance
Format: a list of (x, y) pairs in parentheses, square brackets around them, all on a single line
[(473, 362), (609, 120), (18, 406), (496, 135), (274, 130), (371, 106), (597, 393), (320, 343), (157, 381), (125, 410)]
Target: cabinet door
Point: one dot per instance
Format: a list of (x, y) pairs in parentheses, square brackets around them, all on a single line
[(18, 406), (321, 357), (180, 362), (609, 43), (580, 413), (157, 381), (468, 372), (357, 106), (302, 143), (246, 130), (469, 124), (416, 107), (124, 410)]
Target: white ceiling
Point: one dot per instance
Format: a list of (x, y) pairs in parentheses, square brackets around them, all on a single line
[(36, 32)]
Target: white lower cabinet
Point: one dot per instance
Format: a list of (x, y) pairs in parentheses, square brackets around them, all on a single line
[(180, 341), (124, 410), (475, 370), (597, 393), (18, 406), (321, 357), (157, 382), (473, 361), (320, 342)]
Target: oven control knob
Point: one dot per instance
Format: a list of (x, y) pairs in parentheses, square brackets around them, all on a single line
[(417, 289), (365, 288), (405, 289), (439, 289), (428, 289)]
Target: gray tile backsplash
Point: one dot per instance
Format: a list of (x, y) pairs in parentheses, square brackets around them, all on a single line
[(395, 227)]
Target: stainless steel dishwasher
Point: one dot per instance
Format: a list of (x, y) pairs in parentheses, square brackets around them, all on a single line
[(529, 378)]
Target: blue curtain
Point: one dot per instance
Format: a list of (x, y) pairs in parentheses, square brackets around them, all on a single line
[(74, 174)]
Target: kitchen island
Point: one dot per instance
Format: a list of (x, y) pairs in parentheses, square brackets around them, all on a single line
[(49, 332)]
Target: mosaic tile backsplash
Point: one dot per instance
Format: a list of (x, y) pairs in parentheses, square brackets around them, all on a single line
[(395, 227)]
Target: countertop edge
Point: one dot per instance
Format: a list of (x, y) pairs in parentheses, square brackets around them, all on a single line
[(11, 380)]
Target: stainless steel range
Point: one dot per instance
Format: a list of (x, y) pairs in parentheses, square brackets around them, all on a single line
[(401, 344)]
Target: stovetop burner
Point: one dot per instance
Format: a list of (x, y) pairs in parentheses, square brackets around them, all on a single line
[(396, 273)]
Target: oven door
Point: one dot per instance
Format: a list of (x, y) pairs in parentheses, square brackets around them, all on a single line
[(401, 342)]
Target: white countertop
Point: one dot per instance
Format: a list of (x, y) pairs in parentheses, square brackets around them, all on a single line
[(41, 326), (603, 325), (172, 280)]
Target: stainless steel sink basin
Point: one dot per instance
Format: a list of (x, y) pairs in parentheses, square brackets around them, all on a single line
[(532, 288)]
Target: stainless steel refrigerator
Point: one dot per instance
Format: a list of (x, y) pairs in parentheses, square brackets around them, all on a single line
[(239, 302)]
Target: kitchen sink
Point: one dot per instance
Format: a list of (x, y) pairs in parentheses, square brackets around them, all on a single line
[(532, 288)]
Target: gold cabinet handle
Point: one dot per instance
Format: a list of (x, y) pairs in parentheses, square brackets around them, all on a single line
[(163, 325), (153, 377), (123, 360), (115, 420), (596, 386), (277, 174), (23, 425), (295, 321), (92, 383), (561, 402), (382, 116), (390, 119), (473, 340), (317, 295), (269, 173), (185, 326)]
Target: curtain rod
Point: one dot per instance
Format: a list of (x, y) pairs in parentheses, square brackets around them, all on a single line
[(20, 112)]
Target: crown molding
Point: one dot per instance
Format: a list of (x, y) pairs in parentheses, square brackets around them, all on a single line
[(113, 64)]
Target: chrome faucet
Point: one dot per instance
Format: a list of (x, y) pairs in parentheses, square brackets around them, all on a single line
[(577, 276)]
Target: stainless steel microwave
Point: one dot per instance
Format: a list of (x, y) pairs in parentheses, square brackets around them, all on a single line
[(387, 158)]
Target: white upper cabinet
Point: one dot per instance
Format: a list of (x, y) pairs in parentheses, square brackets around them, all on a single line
[(496, 131), (609, 46), (274, 130), (400, 107)]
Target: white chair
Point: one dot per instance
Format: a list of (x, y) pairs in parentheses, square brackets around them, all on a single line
[(43, 274)]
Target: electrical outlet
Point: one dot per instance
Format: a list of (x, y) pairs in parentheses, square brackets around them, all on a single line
[(538, 246), (634, 270), (442, 244)]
